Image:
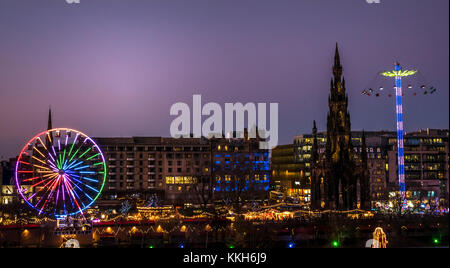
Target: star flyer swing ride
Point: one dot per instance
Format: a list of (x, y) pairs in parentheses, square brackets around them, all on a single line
[(60, 172), (398, 73)]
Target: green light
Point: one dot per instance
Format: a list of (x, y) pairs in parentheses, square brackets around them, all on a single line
[(151, 246), (335, 244), (436, 241), (231, 246)]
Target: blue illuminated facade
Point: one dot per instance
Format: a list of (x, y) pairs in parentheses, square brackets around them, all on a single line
[(240, 169)]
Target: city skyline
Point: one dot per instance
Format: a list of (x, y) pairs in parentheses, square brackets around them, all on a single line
[(224, 125), (93, 72)]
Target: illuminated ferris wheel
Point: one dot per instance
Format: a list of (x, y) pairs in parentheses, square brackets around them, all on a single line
[(60, 172)]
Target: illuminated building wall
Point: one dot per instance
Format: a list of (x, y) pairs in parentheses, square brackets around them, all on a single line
[(239, 165), (141, 166), (178, 170), (426, 162), (290, 176), (426, 166), (376, 155)]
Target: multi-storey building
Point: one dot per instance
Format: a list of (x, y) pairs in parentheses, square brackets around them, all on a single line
[(240, 168), (289, 176), (141, 166), (376, 157), (185, 169), (426, 164), (426, 167), (8, 188)]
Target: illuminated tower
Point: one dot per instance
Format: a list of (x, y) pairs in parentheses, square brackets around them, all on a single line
[(398, 73), (341, 182)]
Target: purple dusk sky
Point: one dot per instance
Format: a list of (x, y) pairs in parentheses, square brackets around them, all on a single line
[(114, 67)]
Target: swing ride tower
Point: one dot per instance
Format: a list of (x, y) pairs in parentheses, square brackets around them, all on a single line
[(398, 73)]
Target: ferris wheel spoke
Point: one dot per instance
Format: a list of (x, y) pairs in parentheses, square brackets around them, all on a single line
[(57, 193), (63, 158), (50, 175), (44, 180), (52, 164), (49, 138), (65, 165), (42, 167), (43, 171), (63, 196), (87, 172), (73, 143), (35, 193), (89, 179), (73, 188), (37, 150), (32, 179), (75, 193), (85, 152), (45, 147), (82, 167), (45, 193), (52, 187), (89, 158), (74, 154), (74, 164), (85, 184), (82, 192), (68, 192), (51, 156), (81, 145), (59, 161), (54, 151), (72, 195), (88, 196)]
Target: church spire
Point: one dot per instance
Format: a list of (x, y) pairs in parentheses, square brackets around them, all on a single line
[(337, 58), (49, 125), (49, 138), (337, 67)]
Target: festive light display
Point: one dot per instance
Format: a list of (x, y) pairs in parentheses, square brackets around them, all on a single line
[(379, 238), (398, 73), (65, 169)]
